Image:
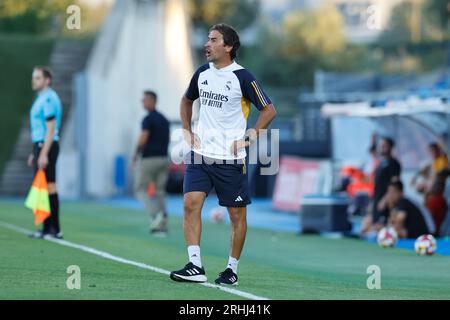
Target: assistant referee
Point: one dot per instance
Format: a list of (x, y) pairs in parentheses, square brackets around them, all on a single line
[(45, 121)]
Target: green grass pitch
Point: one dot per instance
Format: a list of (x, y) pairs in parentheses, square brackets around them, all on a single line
[(274, 265)]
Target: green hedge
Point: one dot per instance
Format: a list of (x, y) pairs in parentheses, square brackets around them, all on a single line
[(18, 54)]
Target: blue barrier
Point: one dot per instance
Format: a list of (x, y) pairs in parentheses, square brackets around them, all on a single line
[(120, 174)]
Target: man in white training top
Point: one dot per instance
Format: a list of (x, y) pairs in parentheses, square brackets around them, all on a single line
[(218, 142)]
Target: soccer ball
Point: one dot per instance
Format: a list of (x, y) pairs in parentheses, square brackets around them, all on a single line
[(387, 237), (425, 245), (217, 215)]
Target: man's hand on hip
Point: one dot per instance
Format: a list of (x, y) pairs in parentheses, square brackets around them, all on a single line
[(192, 139), (238, 145)]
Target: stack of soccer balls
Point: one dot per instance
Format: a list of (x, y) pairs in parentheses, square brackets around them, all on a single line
[(425, 245), (387, 237)]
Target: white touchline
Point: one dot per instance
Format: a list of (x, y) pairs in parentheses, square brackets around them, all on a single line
[(109, 256)]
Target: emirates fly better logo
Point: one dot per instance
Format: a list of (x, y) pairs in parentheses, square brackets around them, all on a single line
[(211, 99)]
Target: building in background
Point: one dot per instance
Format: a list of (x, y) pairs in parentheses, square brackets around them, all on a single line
[(142, 45)]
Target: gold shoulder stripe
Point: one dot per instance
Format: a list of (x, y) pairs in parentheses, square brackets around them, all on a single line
[(261, 93), (259, 96)]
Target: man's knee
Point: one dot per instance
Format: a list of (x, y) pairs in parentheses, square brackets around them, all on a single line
[(190, 207), (140, 184), (192, 203), (136, 184)]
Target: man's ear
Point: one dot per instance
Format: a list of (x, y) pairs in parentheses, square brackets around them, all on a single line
[(228, 48)]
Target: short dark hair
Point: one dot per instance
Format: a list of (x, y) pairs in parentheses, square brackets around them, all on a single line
[(230, 37), (435, 146), (151, 94), (389, 141), (397, 184), (45, 71)]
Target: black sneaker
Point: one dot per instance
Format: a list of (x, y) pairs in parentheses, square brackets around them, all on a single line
[(227, 277), (190, 273)]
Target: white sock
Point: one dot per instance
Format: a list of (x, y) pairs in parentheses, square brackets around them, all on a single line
[(233, 264), (194, 255)]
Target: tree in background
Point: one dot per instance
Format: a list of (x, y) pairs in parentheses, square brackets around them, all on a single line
[(415, 21), (413, 39), (305, 41), (240, 14), (31, 16), (312, 34), (441, 10), (48, 16), (399, 25)]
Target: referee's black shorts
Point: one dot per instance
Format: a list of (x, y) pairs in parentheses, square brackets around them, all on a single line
[(50, 171)]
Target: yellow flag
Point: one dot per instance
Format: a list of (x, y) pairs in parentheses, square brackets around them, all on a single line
[(37, 199)]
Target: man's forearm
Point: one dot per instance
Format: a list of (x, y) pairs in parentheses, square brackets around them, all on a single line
[(142, 141), (139, 150), (186, 113), (48, 141), (265, 118)]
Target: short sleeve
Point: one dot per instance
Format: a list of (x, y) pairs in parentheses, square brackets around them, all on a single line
[(252, 90), (49, 108), (147, 123), (192, 91)]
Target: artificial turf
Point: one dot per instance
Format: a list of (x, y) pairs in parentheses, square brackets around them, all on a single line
[(274, 265)]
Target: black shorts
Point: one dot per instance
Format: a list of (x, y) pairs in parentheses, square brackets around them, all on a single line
[(230, 180), (50, 171), (379, 216)]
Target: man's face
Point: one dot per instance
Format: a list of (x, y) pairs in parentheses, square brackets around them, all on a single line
[(385, 148), (434, 152), (148, 102), (215, 48), (38, 81)]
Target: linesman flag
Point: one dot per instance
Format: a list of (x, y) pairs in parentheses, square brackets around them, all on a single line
[(37, 199)]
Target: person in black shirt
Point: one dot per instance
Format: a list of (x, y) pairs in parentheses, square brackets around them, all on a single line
[(152, 164), (388, 170), (405, 216)]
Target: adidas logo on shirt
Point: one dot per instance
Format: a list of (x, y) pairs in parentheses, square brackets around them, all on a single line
[(205, 82), (238, 199)]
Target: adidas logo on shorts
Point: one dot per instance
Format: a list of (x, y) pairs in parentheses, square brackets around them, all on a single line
[(238, 199)]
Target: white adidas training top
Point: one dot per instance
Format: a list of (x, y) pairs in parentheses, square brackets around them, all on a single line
[(225, 95)]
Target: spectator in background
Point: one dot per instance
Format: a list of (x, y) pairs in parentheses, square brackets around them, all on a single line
[(387, 170), (356, 181), (360, 183), (405, 216), (371, 166), (152, 163), (432, 184)]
